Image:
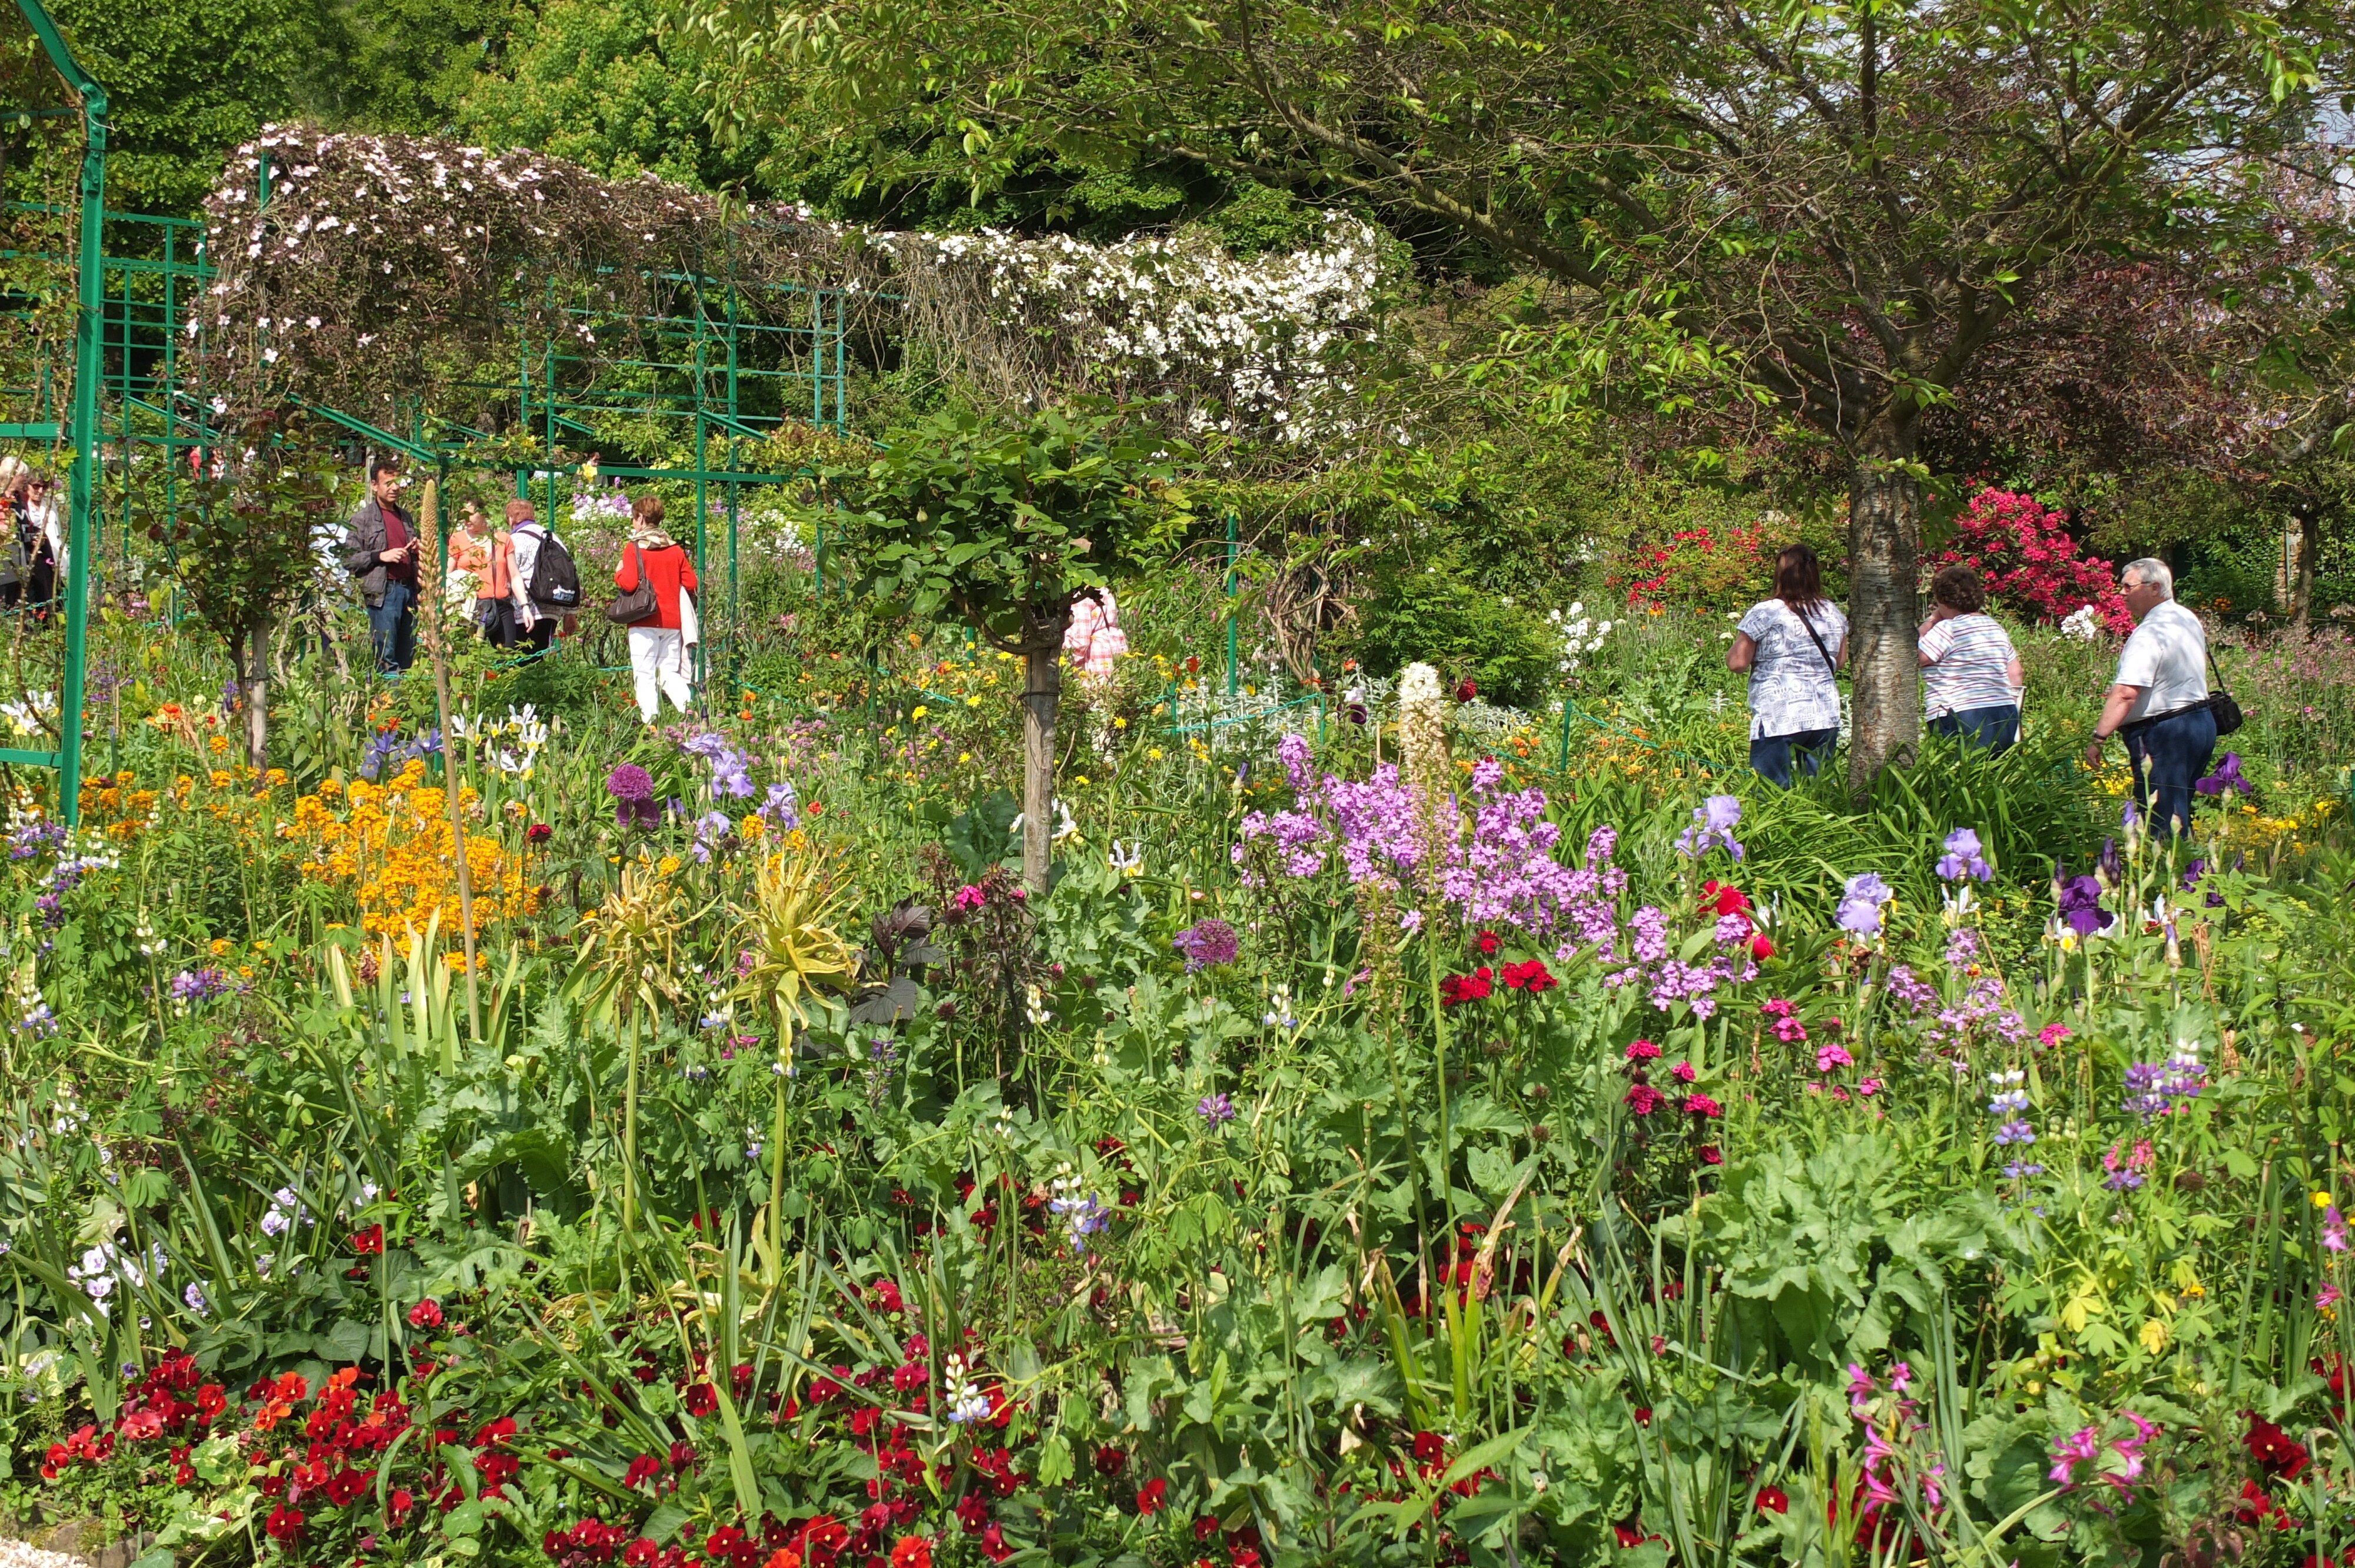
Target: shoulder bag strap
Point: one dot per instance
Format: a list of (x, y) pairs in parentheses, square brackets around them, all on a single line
[(2211, 654), (1810, 627)]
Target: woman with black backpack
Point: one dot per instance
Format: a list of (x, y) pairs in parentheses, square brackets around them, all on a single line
[(545, 590)]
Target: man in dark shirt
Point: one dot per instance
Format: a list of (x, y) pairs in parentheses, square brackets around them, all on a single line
[(380, 552)]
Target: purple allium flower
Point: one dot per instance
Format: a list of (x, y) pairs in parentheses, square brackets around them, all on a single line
[(633, 789), (1206, 942), (1215, 1109)]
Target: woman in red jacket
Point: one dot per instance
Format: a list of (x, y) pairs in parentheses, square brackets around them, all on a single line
[(657, 652)]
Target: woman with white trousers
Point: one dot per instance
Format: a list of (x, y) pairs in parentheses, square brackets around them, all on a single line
[(658, 644)]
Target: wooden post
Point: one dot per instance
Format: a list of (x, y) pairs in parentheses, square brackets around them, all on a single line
[(429, 518)]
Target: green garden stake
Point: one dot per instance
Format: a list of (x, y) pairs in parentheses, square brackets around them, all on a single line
[(1233, 674)]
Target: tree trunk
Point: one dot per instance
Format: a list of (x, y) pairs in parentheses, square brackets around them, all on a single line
[(1885, 545), (1042, 693), (2309, 550), (257, 693)]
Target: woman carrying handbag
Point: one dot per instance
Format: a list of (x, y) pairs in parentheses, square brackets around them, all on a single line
[(654, 578)]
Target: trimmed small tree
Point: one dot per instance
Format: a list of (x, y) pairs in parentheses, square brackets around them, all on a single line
[(1006, 527), (243, 548)]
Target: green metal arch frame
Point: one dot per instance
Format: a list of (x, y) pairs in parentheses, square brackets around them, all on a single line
[(82, 421)]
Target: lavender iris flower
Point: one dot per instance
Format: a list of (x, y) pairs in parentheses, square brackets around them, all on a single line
[(1963, 858), (1860, 905)]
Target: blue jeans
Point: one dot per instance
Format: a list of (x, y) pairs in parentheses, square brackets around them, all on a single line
[(392, 628), (2168, 756), (1771, 756), (1992, 729)]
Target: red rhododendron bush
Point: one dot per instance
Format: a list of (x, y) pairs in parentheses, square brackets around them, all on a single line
[(2034, 566)]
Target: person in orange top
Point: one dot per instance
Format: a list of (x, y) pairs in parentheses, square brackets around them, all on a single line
[(657, 651)]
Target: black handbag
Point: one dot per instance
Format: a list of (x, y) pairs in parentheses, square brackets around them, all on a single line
[(635, 605), (2221, 702)]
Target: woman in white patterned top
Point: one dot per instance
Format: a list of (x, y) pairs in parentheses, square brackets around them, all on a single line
[(1971, 678), (1792, 645)]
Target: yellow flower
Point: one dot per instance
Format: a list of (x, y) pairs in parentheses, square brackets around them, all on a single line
[(918, 711), (668, 865), (972, 701), (964, 756), (220, 947), (218, 743), (220, 779), (2322, 1200), (2153, 1336), (1119, 723), (1154, 752)]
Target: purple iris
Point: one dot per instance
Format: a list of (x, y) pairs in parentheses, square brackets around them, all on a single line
[(1860, 903), (2228, 777), (2080, 900), (1963, 858), (1714, 820)]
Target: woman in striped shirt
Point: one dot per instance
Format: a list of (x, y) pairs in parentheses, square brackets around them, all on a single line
[(1971, 678)]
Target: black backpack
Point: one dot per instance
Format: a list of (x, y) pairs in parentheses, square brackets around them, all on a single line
[(554, 581)]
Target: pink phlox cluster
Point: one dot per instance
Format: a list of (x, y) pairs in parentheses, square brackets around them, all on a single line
[(1503, 871), (1508, 873), (1983, 1005), (1907, 986)]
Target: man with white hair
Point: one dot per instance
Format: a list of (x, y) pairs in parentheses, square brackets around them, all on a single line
[(2159, 703)]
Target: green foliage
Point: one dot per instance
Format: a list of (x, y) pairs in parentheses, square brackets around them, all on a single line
[(187, 82), (243, 537), (1436, 614), (598, 83), (402, 65), (1003, 527)]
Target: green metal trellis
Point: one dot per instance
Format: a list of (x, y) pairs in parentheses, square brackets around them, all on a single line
[(80, 428), (709, 373)]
